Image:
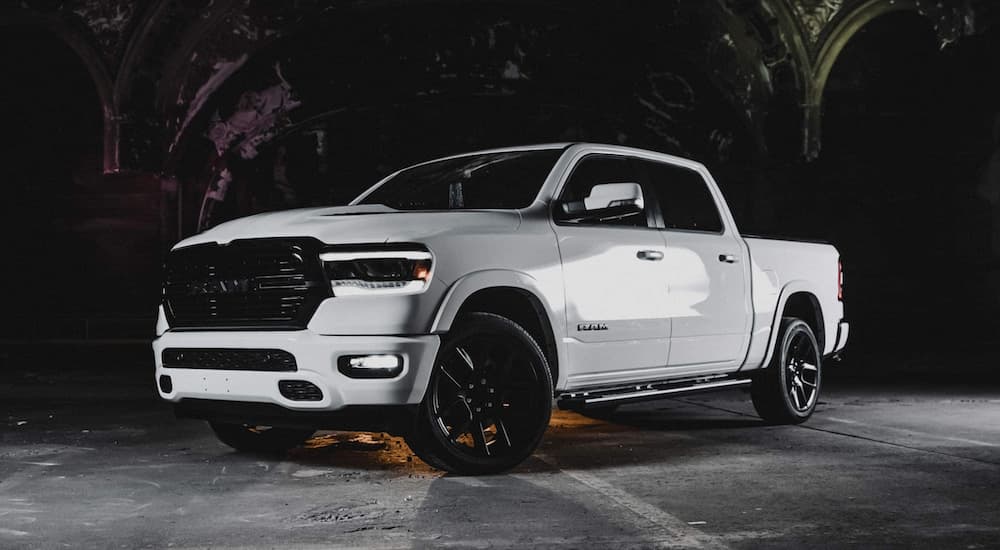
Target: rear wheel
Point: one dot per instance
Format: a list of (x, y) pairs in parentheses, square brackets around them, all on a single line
[(260, 439), (488, 401), (787, 390)]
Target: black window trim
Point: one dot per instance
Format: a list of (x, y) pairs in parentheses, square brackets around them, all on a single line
[(654, 224)]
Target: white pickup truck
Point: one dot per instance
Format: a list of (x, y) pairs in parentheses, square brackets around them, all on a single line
[(452, 301)]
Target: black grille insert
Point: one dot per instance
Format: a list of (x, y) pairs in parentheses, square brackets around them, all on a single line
[(300, 390), (274, 360), (276, 283)]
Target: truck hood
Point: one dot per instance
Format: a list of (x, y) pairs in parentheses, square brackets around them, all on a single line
[(369, 223)]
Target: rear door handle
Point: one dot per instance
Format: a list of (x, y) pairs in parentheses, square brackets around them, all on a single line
[(727, 258), (651, 255)]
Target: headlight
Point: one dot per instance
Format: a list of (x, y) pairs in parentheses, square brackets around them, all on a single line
[(378, 272)]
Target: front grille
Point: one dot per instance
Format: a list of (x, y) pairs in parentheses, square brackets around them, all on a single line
[(300, 390), (275, 283), (275, 360)]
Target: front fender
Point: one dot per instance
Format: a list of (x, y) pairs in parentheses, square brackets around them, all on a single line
[(471, 283), (549, 296)]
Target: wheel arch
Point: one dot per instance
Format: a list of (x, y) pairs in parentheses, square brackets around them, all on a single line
[(511, 294), (797, 299)]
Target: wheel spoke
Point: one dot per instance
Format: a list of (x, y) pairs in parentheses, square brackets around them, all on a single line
[(465, 357), (809, 367), (805, 395), (480, 436), (502, 428), (795, 396), (445, 372)]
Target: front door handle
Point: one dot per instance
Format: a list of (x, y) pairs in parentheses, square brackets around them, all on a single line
[(727, 258), (651, 255)]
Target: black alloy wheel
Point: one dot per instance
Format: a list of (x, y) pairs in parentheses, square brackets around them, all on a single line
[(802, 372), (488, 401), (787, 390)]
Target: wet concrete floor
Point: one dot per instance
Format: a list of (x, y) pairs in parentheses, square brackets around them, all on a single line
[(877, 466)]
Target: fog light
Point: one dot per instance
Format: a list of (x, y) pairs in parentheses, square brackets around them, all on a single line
[(370, 366), (300, 390), (166, 384)]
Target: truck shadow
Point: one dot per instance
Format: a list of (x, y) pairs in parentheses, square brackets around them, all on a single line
[(646, 436), (666, 422)]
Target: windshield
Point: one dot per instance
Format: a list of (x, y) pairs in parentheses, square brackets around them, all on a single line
[(492, 180)]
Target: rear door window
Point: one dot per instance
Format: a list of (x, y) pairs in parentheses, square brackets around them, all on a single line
[(684, 198)]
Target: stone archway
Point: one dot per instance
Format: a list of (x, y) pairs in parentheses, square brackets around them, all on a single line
[(82, 45), (838, 34), (906, 126), (53, 159)]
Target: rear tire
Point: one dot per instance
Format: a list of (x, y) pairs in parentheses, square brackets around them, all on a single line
[(488, 401), (787, 390), (260, 439)]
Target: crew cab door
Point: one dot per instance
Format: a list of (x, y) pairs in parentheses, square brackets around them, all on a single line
[(615, 281), (705, 263)]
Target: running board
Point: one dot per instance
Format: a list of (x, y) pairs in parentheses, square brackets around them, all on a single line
[(576, 400)]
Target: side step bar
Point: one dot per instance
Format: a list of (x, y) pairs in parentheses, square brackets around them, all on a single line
[(576, 400)]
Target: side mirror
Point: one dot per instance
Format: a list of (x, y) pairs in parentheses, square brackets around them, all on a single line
[(607, 201)]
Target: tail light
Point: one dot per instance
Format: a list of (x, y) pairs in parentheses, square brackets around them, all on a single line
[(840, 281)]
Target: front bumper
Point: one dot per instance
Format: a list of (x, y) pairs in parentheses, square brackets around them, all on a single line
[(316, 357)]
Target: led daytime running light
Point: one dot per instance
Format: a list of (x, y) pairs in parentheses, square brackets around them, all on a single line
[(354, 273)]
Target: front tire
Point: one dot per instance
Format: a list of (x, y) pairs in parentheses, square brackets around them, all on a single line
[(488, 401), (787, 390), (260, 439)]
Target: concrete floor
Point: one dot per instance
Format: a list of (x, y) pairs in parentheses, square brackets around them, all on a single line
[(876, 467)]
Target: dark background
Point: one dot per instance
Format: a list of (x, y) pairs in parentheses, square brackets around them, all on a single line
[(875, 125)]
